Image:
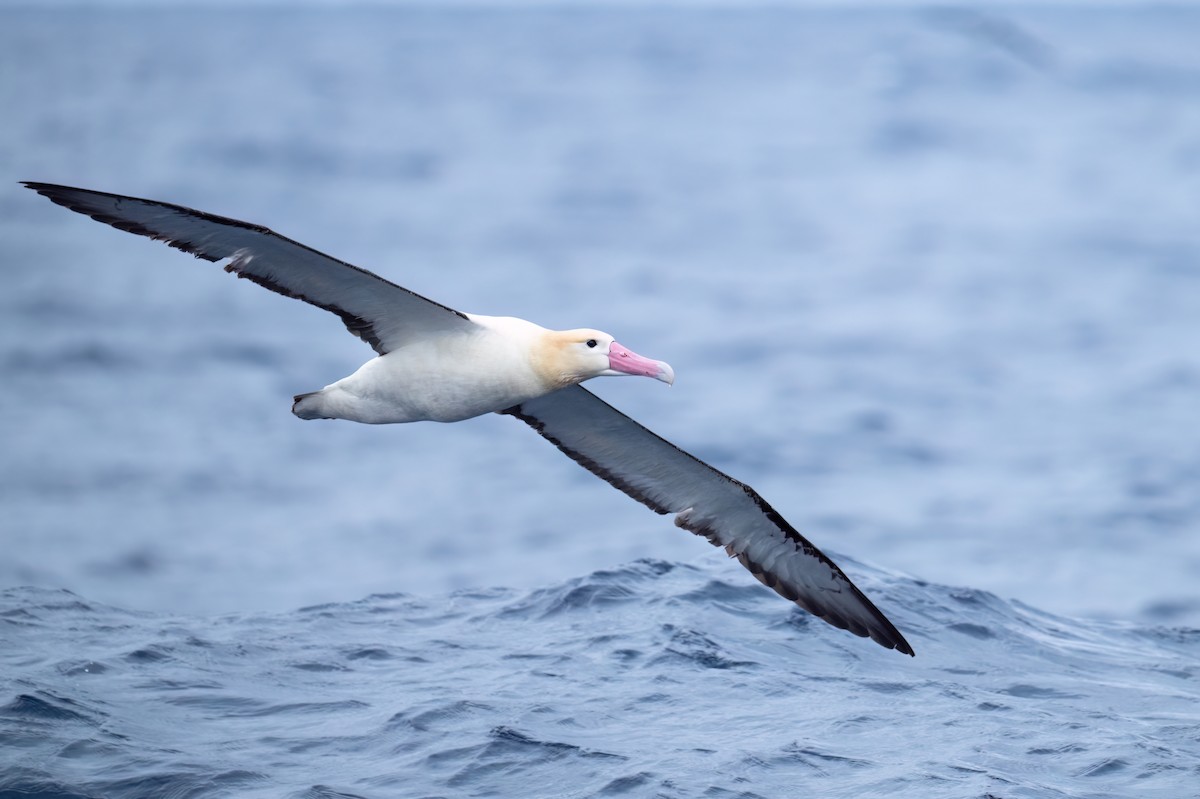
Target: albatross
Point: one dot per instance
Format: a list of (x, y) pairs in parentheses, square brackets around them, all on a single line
[(434, 363)]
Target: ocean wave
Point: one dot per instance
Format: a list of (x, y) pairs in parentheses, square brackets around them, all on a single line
[(655, 678)]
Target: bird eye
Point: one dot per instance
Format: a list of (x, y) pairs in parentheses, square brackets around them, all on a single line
[(591, 342)]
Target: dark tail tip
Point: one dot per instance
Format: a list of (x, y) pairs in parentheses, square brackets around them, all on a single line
[(299, 406)]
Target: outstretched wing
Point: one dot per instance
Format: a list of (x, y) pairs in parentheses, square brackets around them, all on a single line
[(728, 513), (376, 310)]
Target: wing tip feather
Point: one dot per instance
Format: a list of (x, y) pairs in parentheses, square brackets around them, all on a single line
[(881, 631), (72, 199)]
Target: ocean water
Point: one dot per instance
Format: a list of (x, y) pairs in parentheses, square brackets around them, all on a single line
[(929, 278), (651, 679)]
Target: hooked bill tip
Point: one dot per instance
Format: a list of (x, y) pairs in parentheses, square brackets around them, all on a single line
[(666, 373)]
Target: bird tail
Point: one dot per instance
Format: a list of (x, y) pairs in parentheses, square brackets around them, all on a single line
[(309, 406)]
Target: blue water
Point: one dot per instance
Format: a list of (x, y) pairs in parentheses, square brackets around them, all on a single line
[(652, 679), (929, 279)]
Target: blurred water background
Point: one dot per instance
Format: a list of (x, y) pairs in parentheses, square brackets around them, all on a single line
[(930, 281)]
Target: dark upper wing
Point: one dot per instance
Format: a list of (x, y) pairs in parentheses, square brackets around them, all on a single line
[(376, 310), (728, 513)]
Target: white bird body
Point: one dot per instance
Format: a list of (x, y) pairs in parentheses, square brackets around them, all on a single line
[(496, 364), (444, 378), (437, 364)]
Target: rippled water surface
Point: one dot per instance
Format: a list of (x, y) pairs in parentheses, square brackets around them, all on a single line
[(929, 279), (654, 679)]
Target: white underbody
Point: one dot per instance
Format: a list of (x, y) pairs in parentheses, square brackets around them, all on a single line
[(447, 378)]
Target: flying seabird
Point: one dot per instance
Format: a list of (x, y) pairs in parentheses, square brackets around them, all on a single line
[(438, 364)]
